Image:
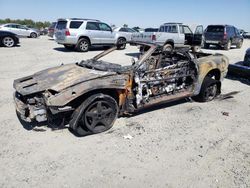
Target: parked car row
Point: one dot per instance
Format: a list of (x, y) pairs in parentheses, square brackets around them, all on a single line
[(80, 34)]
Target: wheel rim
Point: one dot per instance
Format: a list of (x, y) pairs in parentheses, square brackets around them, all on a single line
[(122, 43), (84, 46), (8, 41), (33, 35), (167, 48), (210, 92), (99, 116)]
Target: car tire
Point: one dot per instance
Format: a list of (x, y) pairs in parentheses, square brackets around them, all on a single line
[(8, 42), (121, 44), (246, 61), (96, 114), (69, 47), (227, 46), (33, 35), (209, 90), (167, 48), (239, 44), (83, 45)]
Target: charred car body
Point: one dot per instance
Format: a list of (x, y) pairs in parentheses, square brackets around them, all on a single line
[(92, 93)]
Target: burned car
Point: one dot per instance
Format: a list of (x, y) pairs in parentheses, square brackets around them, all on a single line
[(90, 95)]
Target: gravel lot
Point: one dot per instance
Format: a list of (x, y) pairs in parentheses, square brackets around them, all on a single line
[(181, 144)]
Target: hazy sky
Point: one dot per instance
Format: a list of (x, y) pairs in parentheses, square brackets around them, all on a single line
[(147, 13)]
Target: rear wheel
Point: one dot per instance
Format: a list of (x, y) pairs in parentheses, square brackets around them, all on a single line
[(96, 114), (167, 47), (33, 35), (209, 90), (8, 42), (121, 44), (83, 45), (239, 44), (228, 45)]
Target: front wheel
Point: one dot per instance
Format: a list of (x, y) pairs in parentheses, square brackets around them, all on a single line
[(209, 90), (96, 114), (121, 44), (8, 42), (83, 45), (239, 44), (33, 35)]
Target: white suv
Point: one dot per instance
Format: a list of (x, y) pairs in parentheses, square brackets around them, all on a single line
[(80, 34)]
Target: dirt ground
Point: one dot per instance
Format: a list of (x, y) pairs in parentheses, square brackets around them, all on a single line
[(181, 144)]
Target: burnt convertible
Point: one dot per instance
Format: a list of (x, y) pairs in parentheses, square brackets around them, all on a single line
[(91, 94)]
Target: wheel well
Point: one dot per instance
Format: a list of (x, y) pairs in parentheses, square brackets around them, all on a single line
[(169, 42), (79, 100), (84, 37), (214, 73)]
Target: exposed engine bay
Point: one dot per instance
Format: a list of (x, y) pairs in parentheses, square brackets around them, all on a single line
[(164, 74)]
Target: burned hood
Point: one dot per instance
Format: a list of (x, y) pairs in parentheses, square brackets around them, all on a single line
[(58, 78)]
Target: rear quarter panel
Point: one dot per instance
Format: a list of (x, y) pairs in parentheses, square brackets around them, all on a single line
[(206, 64)]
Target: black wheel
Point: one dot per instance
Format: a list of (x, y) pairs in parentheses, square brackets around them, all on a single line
[(209, 90), (246, 61), (8, 42), (206, 45), (121, 44), (239, 44), (33, 35), (83, 45), (96, 114), (228, 45), (69, 47), (167, 47)]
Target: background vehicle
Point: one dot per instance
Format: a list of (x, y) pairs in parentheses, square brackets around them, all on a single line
[(124, 34), (80, 34), (172, 35), (19, 30), (246, 35), (32, 28), (51, 29), (8, 39), (43, 31), (241, 68), (223, 36), (92, 93)]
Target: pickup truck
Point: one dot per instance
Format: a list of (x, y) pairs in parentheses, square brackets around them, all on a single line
[(171, 35)]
